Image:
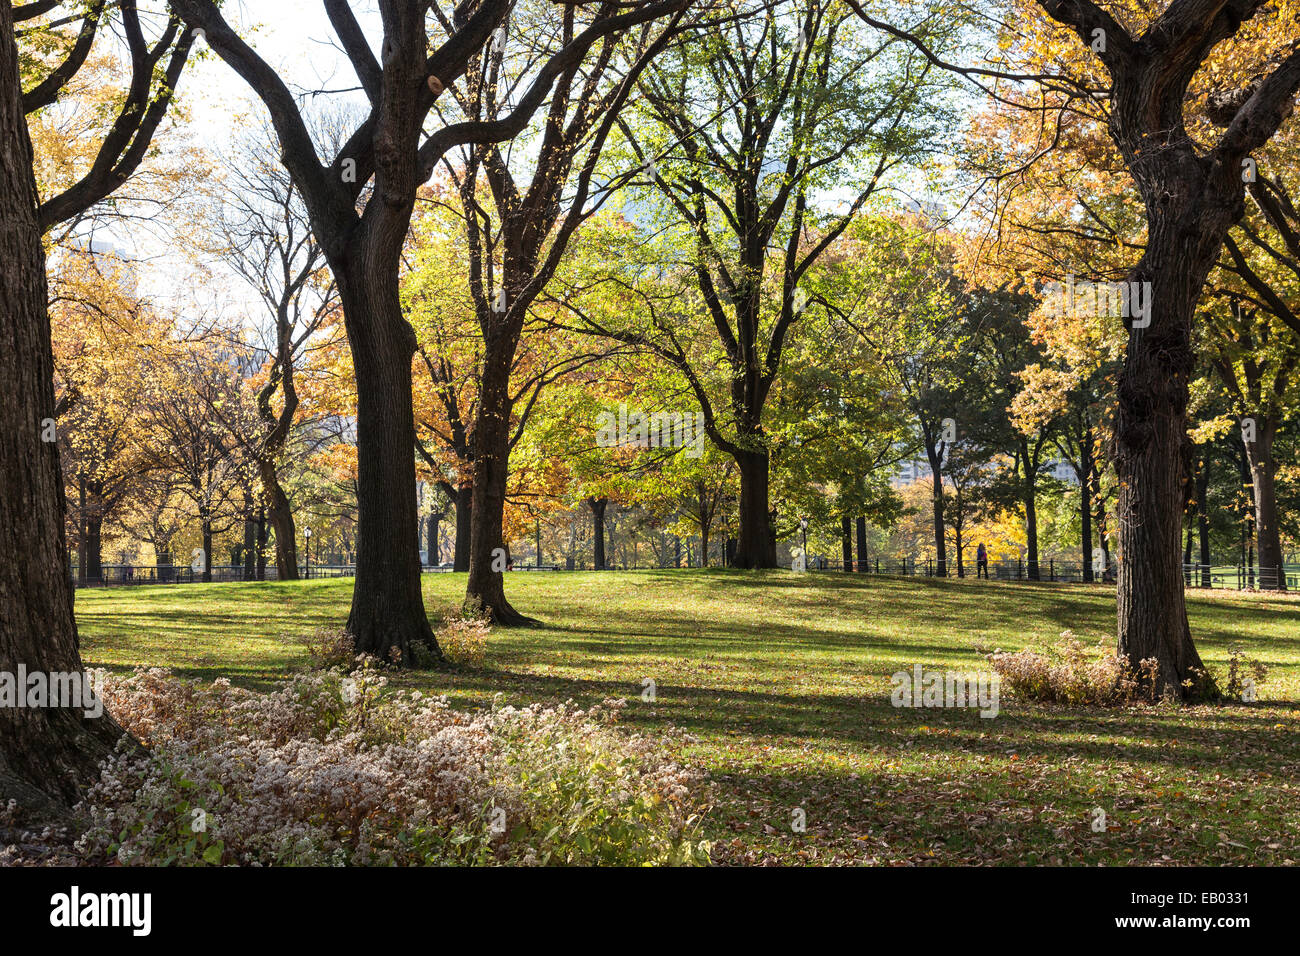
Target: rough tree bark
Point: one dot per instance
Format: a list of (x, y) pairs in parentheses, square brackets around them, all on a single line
[(46, 753), (1192, 198), (387, 613), (464, 521), (491, 468), (598, 506), (756, 540), (279, 512)]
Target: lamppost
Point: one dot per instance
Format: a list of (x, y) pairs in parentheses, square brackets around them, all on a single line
[(803, 527), (307, 535)]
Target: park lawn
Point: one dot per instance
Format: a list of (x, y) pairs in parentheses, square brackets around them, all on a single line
[(782, 683)]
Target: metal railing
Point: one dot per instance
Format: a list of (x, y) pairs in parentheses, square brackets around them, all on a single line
[(126, 575), (1201, 576)]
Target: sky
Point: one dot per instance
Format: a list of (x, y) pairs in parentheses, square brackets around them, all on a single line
[(276, 30), (295, 38)]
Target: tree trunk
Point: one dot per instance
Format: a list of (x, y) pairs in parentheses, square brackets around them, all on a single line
[(1150, 432), (82, 536), (95, 532), (597, 506), (491, 468), (1031, 525), (94, 548), (279, 512), (1085, 503), (261, 544), (250, 540), (464, 522), (1262, 469), (862, 544), (757, 541), (205, 525), (387, 616), (940, 544), (1203, 518), (846, 538), (1099, 503), (47, 754), (434, 550)]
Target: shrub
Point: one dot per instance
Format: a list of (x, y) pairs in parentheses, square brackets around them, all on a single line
[(1240, 670), (332, 770), (463, 634), (331, 647), (1065, 674)]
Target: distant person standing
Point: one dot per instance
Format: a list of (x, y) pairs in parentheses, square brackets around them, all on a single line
[(981, 563)]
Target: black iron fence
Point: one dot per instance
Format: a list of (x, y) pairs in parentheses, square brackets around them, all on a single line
[(1209, 576), (125, 575)]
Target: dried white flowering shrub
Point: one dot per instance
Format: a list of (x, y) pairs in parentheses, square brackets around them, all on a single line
[(332, 770), (1066, 674)]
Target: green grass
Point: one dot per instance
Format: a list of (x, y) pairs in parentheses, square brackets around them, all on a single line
[(783, 682)]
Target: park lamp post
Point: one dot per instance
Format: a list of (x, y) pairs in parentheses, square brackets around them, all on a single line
[(803, 527), (307, 535)]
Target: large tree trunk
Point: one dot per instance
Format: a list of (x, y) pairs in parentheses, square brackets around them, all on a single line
[(597, 506), (279, 512), (1151, 431), (491, 468), (1262, 468), (1192, 198), (846, 541), (464, 524), (47, 754), (757, 541), (387, 604), (862, 544)]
